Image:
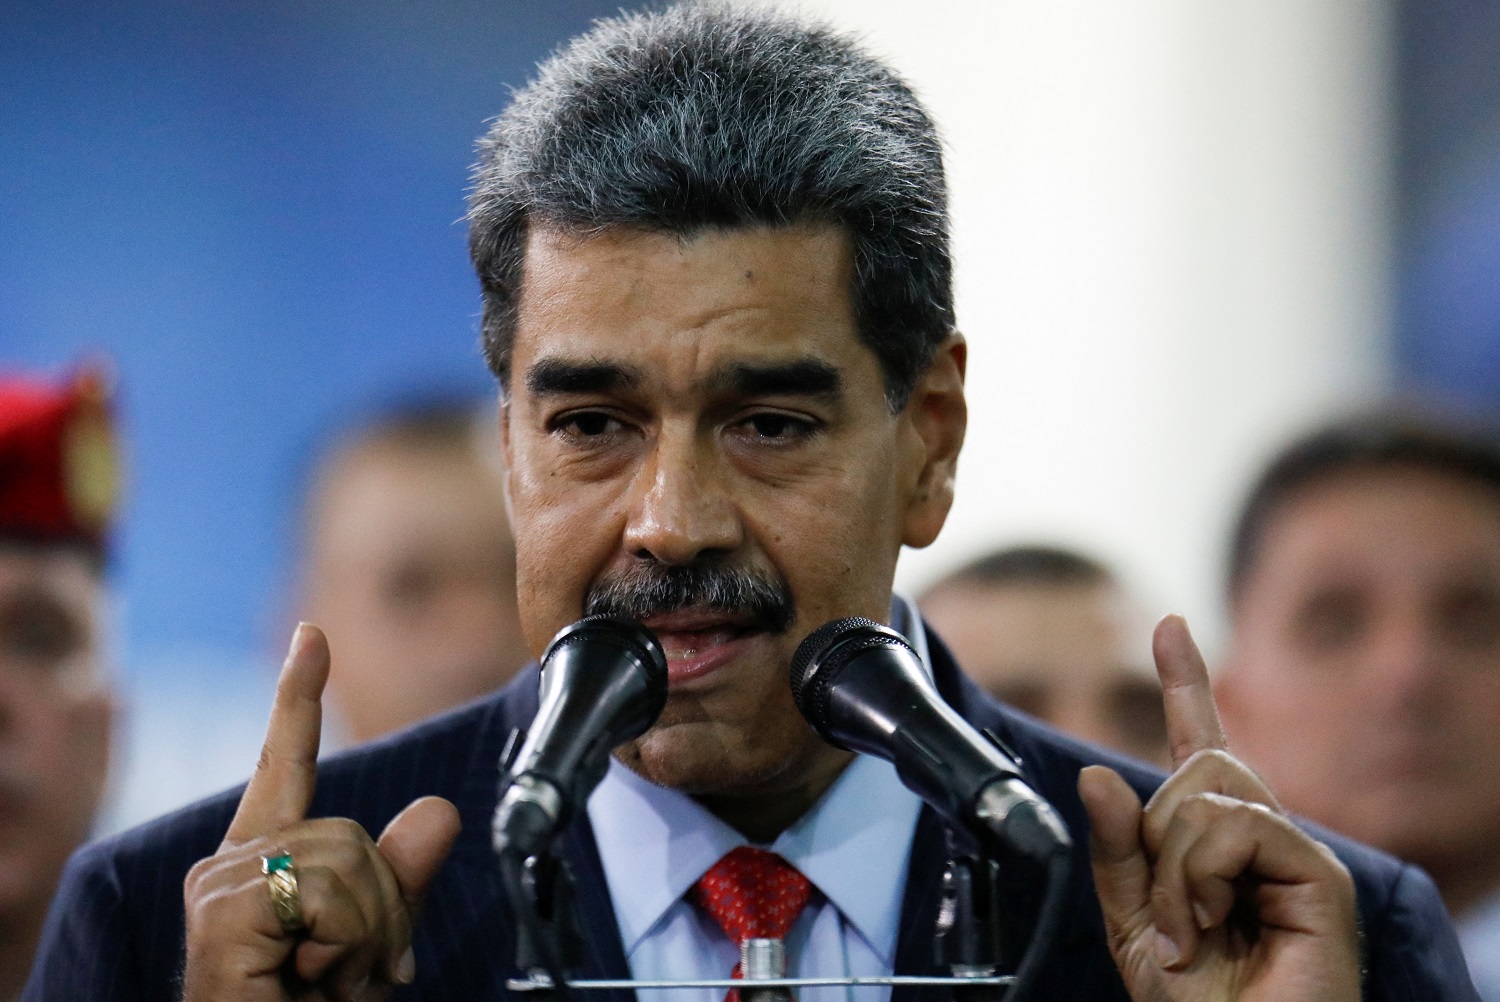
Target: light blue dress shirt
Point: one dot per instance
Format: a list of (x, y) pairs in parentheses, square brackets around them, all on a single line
[(1479, 935), (853, 845)]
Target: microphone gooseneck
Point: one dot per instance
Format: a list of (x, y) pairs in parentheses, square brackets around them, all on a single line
[(863, 688), (604, 682)]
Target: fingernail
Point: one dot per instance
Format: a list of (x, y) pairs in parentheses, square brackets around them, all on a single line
[(406, 967), (1201, 914), (1166, 951), (296, 640)]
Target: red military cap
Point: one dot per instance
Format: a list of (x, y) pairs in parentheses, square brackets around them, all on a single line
[(57, 460)]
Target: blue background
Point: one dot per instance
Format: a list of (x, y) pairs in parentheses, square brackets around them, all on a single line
[(255, 210)]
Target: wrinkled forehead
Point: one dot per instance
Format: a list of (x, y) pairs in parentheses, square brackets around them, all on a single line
[(681, 307)]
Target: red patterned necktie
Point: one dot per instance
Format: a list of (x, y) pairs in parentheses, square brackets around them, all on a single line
[(752, 894)]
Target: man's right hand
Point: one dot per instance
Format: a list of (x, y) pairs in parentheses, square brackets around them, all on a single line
[(359, 897)]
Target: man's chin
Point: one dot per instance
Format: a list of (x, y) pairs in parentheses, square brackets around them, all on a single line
[(706, 758)]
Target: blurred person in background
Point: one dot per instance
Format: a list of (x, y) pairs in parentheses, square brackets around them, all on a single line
[(1363, 670), (56, 495), (409, 567), (1052, 632)]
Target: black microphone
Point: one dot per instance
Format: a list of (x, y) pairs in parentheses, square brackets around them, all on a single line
[(863, 688), (604, 681)]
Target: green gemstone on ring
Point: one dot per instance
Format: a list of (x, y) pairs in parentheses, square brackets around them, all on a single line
[(275, 864)]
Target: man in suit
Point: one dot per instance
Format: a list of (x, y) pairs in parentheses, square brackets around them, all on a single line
[(712, 245), (56, 708), (1363, 670)]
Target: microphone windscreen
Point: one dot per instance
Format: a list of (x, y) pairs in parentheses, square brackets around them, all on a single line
[(822, 656), (626, 634)]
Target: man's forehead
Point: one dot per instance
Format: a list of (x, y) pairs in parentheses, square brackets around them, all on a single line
[(1337, 510), (763, 309), (642, 249), (709, 270)]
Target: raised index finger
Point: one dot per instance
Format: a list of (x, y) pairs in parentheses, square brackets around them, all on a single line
[(1192, 717), (282, 786)]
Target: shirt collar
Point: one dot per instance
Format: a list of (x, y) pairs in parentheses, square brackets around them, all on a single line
[(854, 844), (906, 621)]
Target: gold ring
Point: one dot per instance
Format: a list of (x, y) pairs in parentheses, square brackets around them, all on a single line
[(286, 899)]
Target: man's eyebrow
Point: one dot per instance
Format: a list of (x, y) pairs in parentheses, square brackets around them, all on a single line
[(805, 377), (556, 375)]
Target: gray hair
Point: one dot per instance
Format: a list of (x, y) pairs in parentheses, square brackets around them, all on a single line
[(709, 115)]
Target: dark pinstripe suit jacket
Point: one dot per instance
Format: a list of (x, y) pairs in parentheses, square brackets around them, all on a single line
[(116, 929)]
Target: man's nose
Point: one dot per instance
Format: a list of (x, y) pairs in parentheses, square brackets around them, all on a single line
[(1409, 667), (683, 509)]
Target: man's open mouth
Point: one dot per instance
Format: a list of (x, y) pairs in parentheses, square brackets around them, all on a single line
[(699, 641)]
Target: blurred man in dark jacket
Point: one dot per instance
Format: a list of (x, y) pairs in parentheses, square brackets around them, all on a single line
[(56, 492), (1363, 676)]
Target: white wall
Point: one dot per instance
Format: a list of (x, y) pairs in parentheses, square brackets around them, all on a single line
[(1170, 233)]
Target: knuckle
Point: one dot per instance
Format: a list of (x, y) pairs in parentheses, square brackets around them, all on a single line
[(210, 871), (1208, 762), (350, 827), (1164, 900), (1158, 810), (1258, 809), (196, 874), (213, 915), (328, 899), (345, 831), (1192, 811), (1208, 805), (1198, 807)]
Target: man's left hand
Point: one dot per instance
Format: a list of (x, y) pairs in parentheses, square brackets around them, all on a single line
[(1210, 892)]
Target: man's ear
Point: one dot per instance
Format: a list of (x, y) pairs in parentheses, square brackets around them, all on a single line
[(937, 416)]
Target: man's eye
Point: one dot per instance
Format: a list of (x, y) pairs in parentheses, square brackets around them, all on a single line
[(38, 633), (778, 427), (588, 424), (1333, 621), (1469, 618)]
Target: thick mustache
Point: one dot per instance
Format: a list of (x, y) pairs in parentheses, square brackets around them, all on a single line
[(649, 588)]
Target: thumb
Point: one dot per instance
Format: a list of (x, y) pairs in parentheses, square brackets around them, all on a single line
[(1122, 874), (414, 845)]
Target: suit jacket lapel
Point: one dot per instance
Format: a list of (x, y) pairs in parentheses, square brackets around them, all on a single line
[(919, 908), (604, 954), (1075, 956), (482, 958), (929, 856)]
